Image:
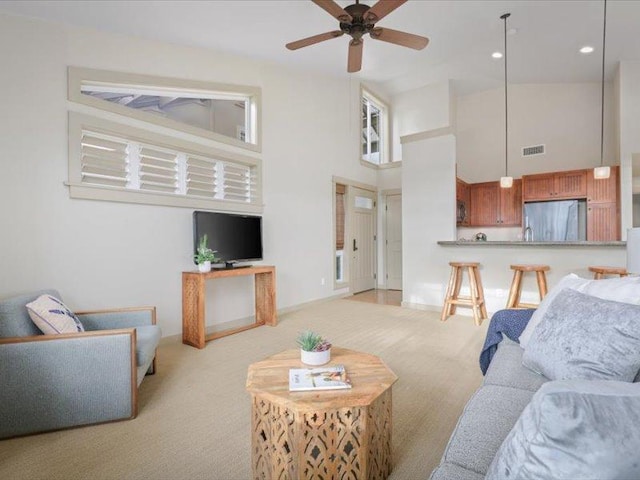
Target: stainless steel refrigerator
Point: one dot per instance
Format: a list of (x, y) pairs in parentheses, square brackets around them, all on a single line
[(556, 221)]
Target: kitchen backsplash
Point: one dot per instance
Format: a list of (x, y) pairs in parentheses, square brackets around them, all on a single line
[(492, 233)]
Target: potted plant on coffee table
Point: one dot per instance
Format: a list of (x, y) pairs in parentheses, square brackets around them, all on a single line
[(204, 255), (314, 349)]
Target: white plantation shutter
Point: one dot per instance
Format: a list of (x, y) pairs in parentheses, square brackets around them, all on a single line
[(113, 162), (236, 183), (201, 177), (220, 180), (103, 160), (158, 170)]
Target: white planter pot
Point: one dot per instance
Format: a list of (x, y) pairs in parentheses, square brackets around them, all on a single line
[(315, 358), (204, 267)]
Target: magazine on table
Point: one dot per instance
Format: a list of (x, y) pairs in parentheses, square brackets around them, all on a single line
[(321, 378)]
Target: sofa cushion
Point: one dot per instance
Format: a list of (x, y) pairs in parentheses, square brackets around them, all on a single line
[(147, 339), (485, 422), (14, 318), (506, 369), (450, 471), (625, 289), (52, 316), (574, 429), (584, 337)]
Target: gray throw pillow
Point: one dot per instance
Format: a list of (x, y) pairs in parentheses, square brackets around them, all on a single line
[(574, 429), (584, 337)]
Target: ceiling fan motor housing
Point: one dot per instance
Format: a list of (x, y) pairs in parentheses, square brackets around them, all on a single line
[(359, 25)]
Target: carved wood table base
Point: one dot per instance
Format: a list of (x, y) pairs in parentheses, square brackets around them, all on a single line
[(331, 434)]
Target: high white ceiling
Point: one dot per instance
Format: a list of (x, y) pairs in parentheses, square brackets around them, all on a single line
[(463, 35)]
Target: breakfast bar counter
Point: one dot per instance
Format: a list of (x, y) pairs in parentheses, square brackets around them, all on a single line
[(495, 258), (507, 243)]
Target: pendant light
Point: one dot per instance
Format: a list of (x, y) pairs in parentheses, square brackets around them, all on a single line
[(602, 172), (506, 181)]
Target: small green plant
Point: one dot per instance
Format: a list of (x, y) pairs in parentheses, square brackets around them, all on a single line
[(313, 342), (204, 253)]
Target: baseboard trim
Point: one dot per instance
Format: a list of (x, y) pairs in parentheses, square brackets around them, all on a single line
[(241, 322), (318, 301)]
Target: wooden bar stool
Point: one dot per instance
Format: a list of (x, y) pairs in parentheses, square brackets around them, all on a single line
[(600, 272), (453, 299), (516, 284)]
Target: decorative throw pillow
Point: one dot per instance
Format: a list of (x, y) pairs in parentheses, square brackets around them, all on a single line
[(625, 289), (52, 316), (574, 429), (584, 337)]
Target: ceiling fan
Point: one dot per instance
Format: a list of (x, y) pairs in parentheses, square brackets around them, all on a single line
[(358, 20)]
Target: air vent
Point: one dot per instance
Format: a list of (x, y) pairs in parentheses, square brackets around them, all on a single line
[(534, 150)]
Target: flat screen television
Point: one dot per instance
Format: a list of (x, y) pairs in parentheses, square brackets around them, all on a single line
[(237, 238)]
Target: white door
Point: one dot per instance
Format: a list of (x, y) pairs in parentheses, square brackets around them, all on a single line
[(393, 235), (362, 242)]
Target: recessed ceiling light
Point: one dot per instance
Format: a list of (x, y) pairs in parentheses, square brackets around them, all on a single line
[(586, 49), (496, 54)]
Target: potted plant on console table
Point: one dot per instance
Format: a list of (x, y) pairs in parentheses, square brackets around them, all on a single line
[(314, 349), (204, 255)]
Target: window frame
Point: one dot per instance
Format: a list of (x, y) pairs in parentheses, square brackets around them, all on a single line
[(383, 135), (343, 282), (77, 189), (77, 77)]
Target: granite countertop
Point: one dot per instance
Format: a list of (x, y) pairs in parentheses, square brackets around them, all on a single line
[(515, 243)]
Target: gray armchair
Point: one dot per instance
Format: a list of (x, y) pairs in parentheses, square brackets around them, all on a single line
[(51, 382)]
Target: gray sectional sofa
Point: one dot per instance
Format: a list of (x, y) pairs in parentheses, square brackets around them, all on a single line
[(586, 337), (489, 415)]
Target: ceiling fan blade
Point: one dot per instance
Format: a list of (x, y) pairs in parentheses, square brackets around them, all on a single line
[(354, 63), (382, 9), (399, 38), (305, 42), (334, 9)]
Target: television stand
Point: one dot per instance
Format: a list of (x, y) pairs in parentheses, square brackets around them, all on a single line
[(194, 300), (231, 266)]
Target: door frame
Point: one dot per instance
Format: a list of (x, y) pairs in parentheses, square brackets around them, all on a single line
[(383, 234), (348, 226)]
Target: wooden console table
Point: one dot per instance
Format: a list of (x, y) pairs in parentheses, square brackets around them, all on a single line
[(193, 302)]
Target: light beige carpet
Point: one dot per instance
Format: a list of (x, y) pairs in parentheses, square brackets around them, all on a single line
[(194, 420)]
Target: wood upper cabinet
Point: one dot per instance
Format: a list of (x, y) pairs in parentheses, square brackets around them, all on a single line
[(603, 208), (484, 200), (491, 205), (511, 204), (554, 186), (603, 190), (462, 203)]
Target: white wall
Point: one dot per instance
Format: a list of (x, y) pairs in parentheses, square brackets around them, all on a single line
[(564, 117), (428, 215), (420, 110), (629, 125), (101, 254)]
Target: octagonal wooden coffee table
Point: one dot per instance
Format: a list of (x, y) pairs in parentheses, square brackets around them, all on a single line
[(321, 434)]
